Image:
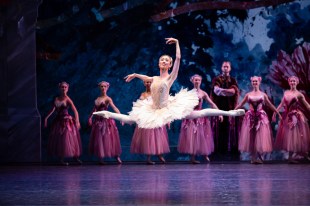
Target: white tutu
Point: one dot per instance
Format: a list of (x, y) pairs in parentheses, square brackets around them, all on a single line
[(178, 107)]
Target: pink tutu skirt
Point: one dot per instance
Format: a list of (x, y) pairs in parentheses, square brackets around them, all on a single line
[(255, 134), (150, 141), (104, 138), (293, 133), (64, 139), (196, 137)]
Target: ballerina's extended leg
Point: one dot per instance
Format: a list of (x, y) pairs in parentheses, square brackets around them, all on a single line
[(121, 117), (215, 112)]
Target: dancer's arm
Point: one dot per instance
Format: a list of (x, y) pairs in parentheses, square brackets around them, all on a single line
[(280, 105), (116, 110), (176, 65), (208, 100), (48, 115), (278, 109), (130, 77), (245, 99), (302, 99), (76, 114), (113, 105), (90, 121), (271, 106), (213, 105)]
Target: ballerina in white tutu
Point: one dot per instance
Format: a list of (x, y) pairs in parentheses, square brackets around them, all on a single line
[(163, 108)]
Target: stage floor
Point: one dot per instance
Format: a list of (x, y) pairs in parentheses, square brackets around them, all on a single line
[(169, 184)]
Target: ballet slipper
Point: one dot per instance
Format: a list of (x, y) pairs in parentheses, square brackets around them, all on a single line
[(162, 159), (260, 158), (118, 159), (195, 162), (149, 162), (79, 161), (292, 161), (237, 112), (101, 162), (207, 158), (256, 161), (62, 162), (306, 156)]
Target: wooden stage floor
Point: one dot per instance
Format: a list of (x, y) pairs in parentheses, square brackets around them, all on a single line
[(169, 184)]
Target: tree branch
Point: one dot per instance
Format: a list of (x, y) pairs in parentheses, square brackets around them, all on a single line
[(216, 5)]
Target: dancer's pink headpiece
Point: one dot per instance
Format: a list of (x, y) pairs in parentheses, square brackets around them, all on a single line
[(293, 77), (104, 82), (256, 77), (61, 83), (194, 76)]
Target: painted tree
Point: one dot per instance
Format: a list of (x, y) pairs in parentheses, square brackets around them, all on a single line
[(298, 64)]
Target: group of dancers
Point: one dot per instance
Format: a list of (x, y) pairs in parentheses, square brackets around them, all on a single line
[(156, 109)]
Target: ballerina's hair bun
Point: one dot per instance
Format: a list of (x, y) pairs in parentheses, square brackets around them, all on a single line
[(293, 77), (61, 83), (104, 82), (194, 76), (256, 77)]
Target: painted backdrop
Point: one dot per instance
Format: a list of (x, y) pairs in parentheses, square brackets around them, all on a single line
[(84, 42)]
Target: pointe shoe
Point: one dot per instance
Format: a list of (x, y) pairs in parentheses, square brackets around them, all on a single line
[(240, 112), (149, 162), (104, 114), (260, 158), (64, 163), (195, 162), (254, 161), (207, 158), (307, 158), (101, 162), (162, 159), (292, 161), (237, 112), (119, 161), (79, 161)]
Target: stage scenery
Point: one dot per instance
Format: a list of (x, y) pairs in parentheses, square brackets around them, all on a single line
[(166, 102)]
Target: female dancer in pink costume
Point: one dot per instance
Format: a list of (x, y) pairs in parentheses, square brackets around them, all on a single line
[(150, 141), (163, 108), (256, 135), (104, 138), (293, 132), (64, 138), (196, 134)]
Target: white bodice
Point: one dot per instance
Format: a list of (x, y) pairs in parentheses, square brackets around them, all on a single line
[(160, 92)]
